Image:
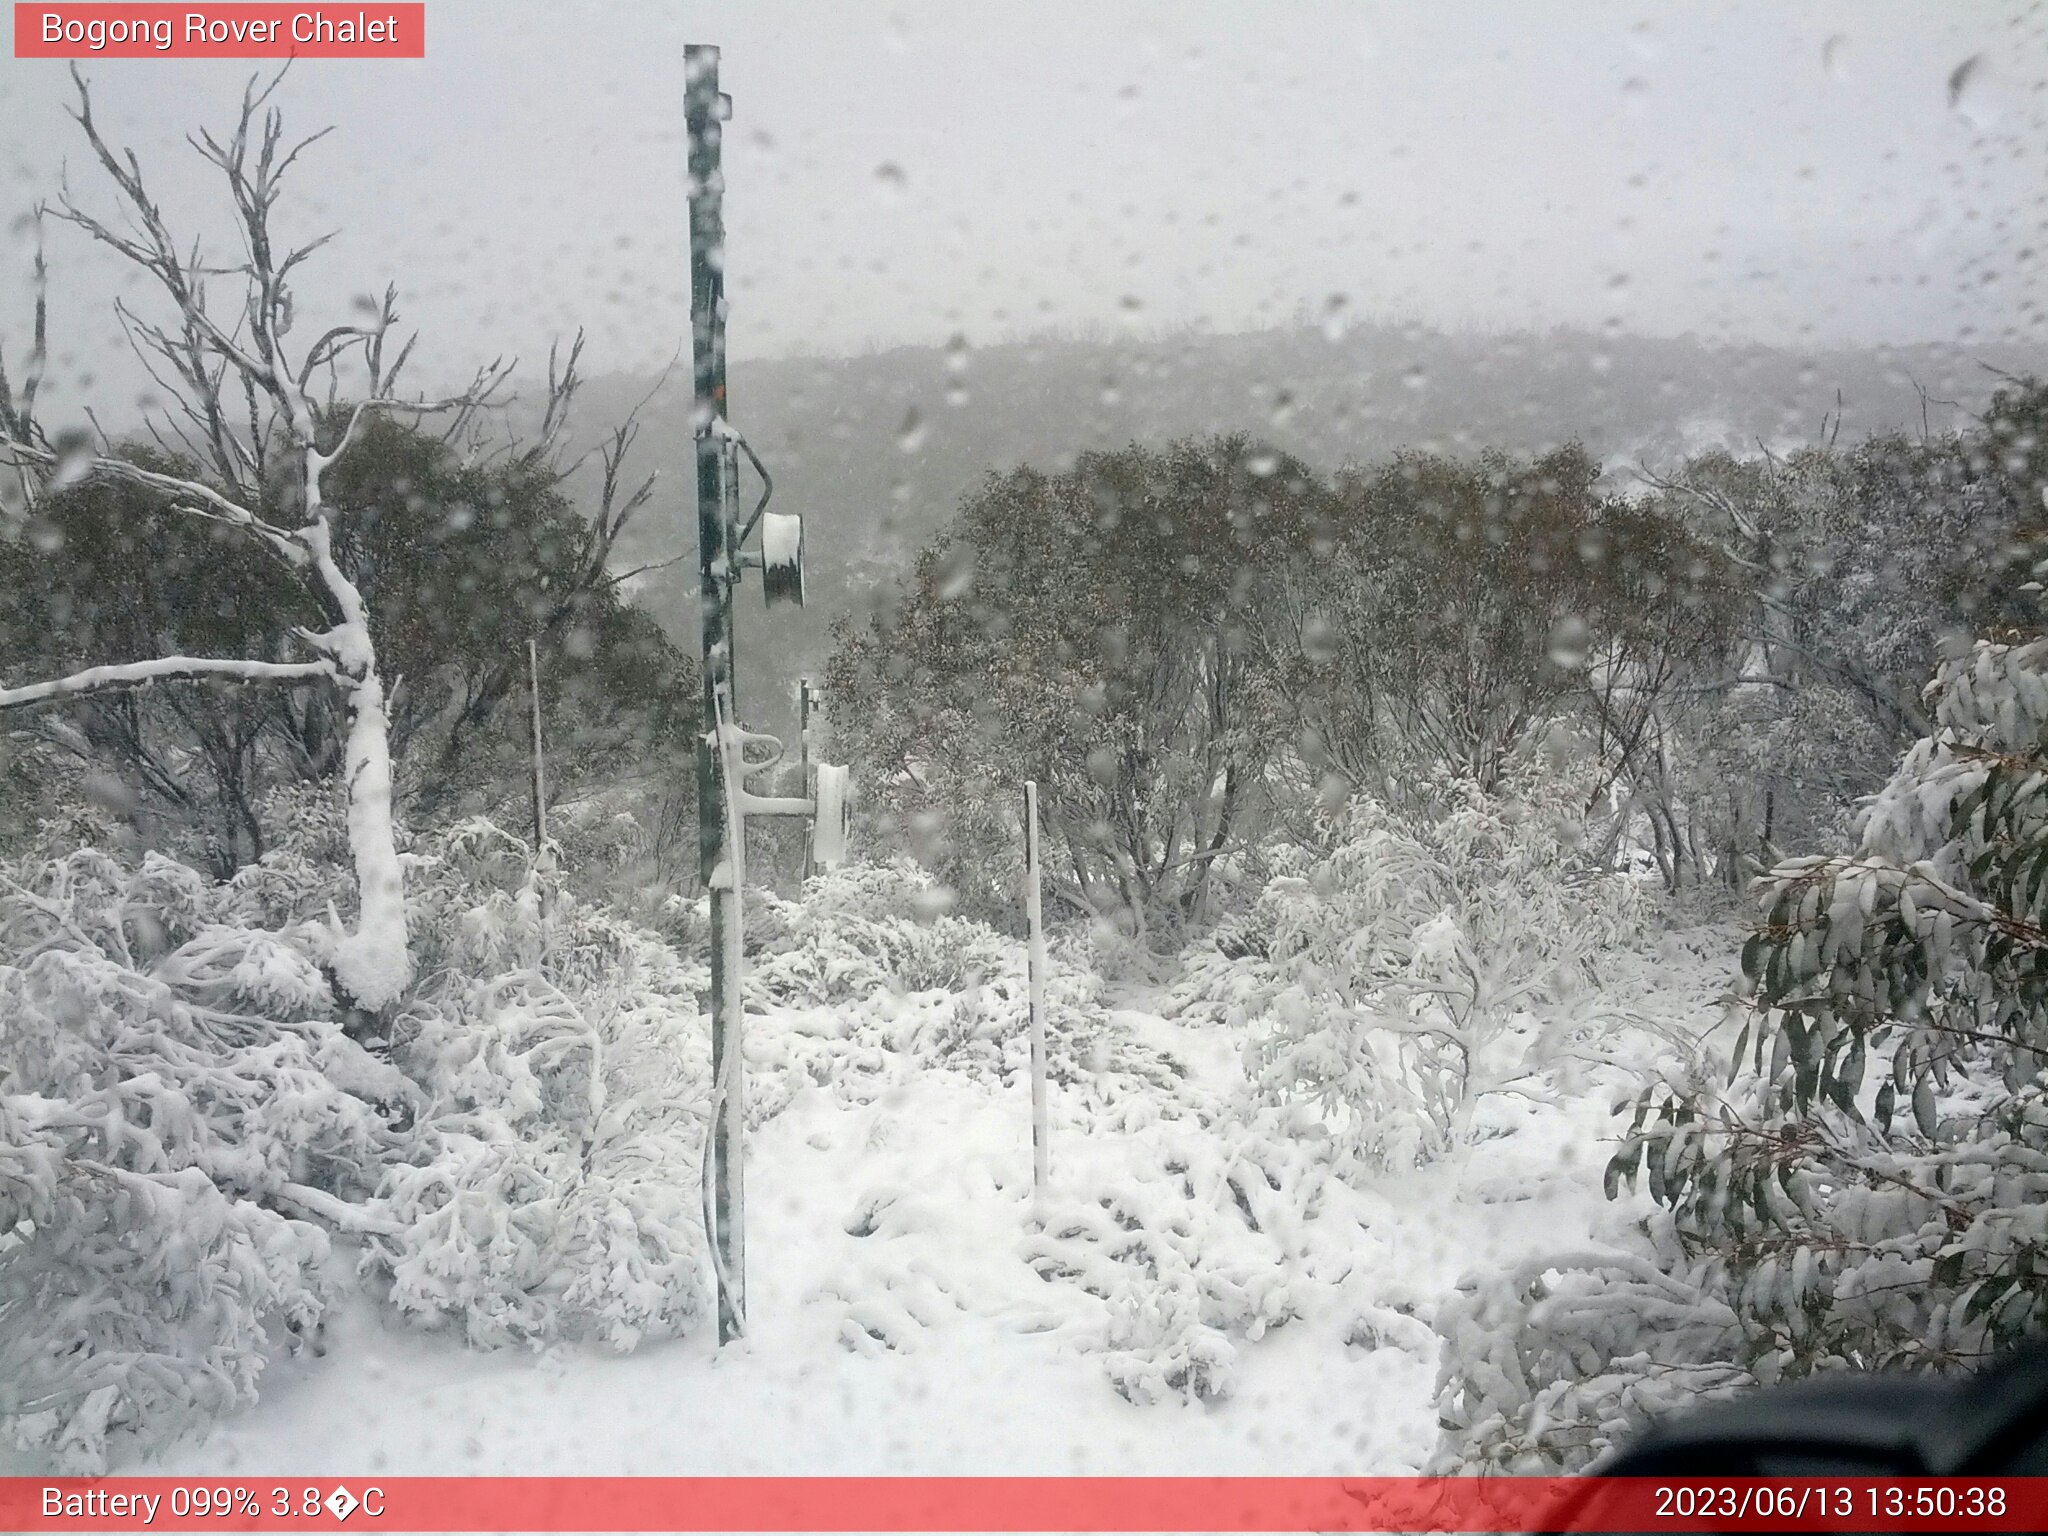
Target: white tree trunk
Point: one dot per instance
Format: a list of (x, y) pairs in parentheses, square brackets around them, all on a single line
[(373, 964)]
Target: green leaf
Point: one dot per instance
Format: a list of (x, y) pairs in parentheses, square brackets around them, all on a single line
[(1622, 1166)]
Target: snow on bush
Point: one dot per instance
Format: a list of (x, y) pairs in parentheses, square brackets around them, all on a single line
[(186, 1122), (848, 938), (1179, 1227), (1194, 1249), (554, 1190), (1174, 1236), (174, 1101), (867, 981), (1419, 965), (1866, 1183), (132, 1304)]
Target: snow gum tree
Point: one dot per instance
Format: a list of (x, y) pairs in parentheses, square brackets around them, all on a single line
[(462, 558), (1866, 1183), (1420, 964), (1089, 630), (263, 421)]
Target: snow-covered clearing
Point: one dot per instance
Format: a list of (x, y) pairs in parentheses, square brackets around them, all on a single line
[(910, 1314)]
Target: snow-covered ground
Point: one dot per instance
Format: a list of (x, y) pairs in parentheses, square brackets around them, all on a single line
[(911, 1312)]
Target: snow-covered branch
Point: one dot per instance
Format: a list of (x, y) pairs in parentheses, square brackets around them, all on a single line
[(139, 674), (194, 497)]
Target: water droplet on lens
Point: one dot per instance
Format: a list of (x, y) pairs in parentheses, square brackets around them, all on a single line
[(1570, 638), (956, 574), (74, 460), (932, 902), (1320, 640), (1964, 77)]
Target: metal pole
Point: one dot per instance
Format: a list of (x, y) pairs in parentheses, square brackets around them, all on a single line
[(704, 110), (1040, 1152), (803, 747), (803, 722)]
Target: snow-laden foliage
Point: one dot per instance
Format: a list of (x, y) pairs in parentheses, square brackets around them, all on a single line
[(861, 991), (1418, 965), (186, 1122), (856, 933), (1193, 1250), (1178, 1231), (553, 1192), (1867, 1183), (133, 1304), (175, 1100)]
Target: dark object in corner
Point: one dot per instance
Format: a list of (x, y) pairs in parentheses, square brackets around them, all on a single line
[(1876, 1424), (1993, 1423)]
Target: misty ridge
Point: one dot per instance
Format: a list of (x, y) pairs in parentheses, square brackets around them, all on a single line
[(877, 450)]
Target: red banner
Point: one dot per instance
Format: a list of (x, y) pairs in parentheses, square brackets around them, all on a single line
[(1175, 1504), (215, 31)]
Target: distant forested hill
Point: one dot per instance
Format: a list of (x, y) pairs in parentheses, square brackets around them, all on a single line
[(877, 450)]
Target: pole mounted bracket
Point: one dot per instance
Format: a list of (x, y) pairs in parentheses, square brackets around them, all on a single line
[(779, 556), (734, 741), (827, 804)]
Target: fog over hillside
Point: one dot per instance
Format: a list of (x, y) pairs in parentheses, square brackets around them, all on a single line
[(877, 450)]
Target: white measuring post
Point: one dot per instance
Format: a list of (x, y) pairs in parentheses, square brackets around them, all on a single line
[(540, 771), (1039, 1151)]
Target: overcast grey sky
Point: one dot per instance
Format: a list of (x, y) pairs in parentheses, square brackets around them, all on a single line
[(905, 172)]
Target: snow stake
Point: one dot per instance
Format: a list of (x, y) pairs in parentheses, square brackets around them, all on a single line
[(1040, 1153), (723, 799), (540, 771)]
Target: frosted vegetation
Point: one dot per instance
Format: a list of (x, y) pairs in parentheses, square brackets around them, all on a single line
[(1432, 842)]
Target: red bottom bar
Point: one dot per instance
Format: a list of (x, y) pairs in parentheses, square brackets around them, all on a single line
[(1175, 1504)]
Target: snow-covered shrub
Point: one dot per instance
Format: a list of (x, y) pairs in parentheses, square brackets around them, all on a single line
[(1194, 1250), (864, 985), (1867, 1182), (850, 937), (554, 1193), (174, 1099), (186, 1121), (1418, 965), (897, 888), (132, 1304)]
